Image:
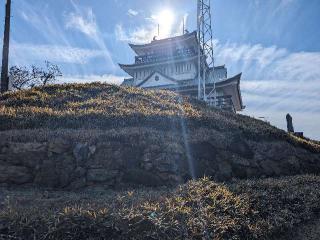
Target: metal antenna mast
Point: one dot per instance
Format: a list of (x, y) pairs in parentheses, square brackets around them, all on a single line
[(5, 54), (205, 51)]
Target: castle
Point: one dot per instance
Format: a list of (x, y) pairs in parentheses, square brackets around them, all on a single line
[(172, 64)]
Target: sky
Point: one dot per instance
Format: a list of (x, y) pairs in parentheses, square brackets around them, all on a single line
[(274, 43)]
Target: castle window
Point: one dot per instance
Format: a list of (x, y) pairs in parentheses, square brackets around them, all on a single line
[(156, 78), (188, 66)]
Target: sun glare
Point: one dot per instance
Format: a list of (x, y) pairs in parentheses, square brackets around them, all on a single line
[(165, 20)]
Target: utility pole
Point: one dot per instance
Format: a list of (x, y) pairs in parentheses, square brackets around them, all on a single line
[(199, 49), (5, 51), (205, 51)]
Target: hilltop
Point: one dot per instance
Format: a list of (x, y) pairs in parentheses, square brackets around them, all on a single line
[(121, 135), (103, 106)]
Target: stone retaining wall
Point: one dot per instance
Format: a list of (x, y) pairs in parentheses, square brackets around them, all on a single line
[(65, 164)]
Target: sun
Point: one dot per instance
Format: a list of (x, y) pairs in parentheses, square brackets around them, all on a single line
[(165, 20)]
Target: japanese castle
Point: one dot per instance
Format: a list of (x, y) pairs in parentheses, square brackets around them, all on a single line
[(172, 64)]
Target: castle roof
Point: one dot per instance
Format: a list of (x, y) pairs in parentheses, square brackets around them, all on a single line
[(186, 39), (130, 68), (231, 87)]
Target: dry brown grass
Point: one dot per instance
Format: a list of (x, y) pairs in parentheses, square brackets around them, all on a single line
[(197, 210), (106, 107)]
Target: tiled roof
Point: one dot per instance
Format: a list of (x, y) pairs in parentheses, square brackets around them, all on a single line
[(172, 39)]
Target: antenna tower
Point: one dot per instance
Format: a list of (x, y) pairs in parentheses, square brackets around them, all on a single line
[(205, 52)]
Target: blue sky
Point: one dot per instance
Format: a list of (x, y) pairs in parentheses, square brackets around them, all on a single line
[(275, 43)]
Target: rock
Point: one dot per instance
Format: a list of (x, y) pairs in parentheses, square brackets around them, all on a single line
[(241, 161), (24, 154), (147, 166), (47, 176), (225, 170), (15, 175), (170, 179), (26, 147), (241, 147), (65, 166), (270, 168), (294, 163), (81, 152), (101, 175), (79, 172), (57, 171), (141, 177), (78, 184), (167, 167), (251, 172), (59, 146), (92, 149)]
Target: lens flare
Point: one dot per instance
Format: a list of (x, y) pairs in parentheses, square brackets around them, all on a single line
[(165, 20)]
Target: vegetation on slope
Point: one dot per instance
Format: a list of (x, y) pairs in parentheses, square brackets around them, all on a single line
[(201, 209), (103, 106)]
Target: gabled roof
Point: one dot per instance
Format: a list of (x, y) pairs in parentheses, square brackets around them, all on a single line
[(234, 79), (139, 49), (233, 82), (161, 74)]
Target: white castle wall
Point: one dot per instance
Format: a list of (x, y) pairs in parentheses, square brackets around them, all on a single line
[(181, 71)]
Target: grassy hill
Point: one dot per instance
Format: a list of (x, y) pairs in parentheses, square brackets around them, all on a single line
[(105, 107)]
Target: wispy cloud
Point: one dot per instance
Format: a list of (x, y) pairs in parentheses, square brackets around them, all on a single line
[(283, 5), (141, 34), (44, 23), (277, 81), (85, 24), (282, 95), (84, 20), (259, 62), (273, 100), (22, 54), (25, 17), (132, 12), (300, 66)]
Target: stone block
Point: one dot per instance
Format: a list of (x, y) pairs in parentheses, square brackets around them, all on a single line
[(101, 175), (15, 175)]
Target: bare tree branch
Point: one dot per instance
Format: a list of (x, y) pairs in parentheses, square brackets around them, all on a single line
[(24, 78)]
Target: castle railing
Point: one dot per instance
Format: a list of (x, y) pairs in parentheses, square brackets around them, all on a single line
[(222, 102), (160, 57)]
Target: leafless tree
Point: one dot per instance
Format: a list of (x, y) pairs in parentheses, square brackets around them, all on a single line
[(23, 78), (45, 76), (20, 77)]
